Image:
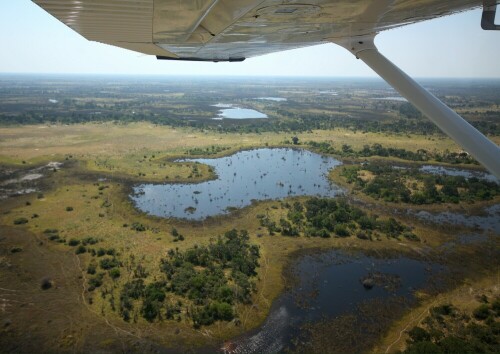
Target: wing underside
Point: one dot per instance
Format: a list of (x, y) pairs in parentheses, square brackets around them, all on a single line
[(223, 30)]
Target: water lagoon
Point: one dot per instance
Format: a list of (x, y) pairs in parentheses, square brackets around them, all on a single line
[(392, 98), (241, 113), (275, 99), (230, 111), (260, 174)]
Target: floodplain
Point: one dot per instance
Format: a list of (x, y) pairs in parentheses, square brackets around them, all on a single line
[(83, 269)]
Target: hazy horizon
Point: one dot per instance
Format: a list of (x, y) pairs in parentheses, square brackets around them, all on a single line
[(246, 77)]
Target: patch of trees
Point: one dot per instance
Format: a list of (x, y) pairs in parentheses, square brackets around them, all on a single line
[(213, 150), (210, 280), (324, 217), (177, 236), (409, 111), (447, 330), (20, 221), (379, 150), (110, 264), (137, 226), (53, 235), (410, 185)]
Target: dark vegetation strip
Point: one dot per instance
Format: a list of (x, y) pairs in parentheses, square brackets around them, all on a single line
[(410, 185), (421, 155), (409, 120), (324, 217)]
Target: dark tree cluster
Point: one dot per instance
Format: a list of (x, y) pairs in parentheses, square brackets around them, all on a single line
[(324, 217), (213, 150), (403, 154), (210, 279), (410, 185)]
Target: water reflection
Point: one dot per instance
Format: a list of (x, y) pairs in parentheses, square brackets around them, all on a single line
[(259, 174)]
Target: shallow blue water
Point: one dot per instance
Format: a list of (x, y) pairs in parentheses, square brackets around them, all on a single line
[(241, 113), (275, 99), (260, 174)]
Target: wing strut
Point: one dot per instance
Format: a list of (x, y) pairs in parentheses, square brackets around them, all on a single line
[(473, 141)]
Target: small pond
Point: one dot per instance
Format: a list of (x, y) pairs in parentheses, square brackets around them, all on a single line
[(275, 99), (394, 98), (331, 284), (260, 174), (230, 111)]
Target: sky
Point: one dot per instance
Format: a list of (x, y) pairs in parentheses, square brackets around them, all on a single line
[(32, 41)]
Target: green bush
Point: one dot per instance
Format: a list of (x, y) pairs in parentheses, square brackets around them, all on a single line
[(50, 231), (341, 230), (73, 242), (108, 263), (95, 282), (89, 241), (138, 227), (20, 221), (81, 249), (114, 273), (91, 269), (46, 283), (482, 312)]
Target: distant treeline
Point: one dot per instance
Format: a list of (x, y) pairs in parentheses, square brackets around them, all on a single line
[(409, 120), (379, 150)]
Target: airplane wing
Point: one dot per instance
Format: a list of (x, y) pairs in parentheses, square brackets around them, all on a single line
[(232, 30)]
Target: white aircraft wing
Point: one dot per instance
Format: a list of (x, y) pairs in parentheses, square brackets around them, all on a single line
[(232, 30)]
